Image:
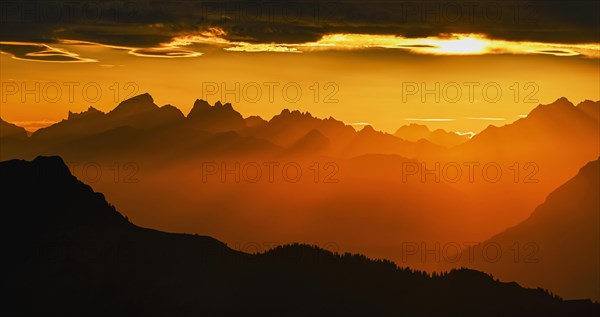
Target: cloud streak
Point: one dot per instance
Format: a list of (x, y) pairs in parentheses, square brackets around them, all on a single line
[(38, 52), (143, 23), (445, 44)]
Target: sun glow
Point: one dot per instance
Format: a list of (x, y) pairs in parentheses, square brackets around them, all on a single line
[(443, 44), (462, 45), (452, 44)]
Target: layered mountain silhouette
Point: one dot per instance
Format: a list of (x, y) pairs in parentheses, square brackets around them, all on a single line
[(217, 118), (354, 188), (12, 140), (414, 132), (558, 246), (537, 154), (68, 252), (560, 124), (284, 130), (137, 112), (557, 128), (9, 130)]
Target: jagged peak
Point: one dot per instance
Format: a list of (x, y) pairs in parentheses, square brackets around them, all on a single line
[(138, 103), (253, 121), (560, 106), (367, 129), (202, 106), (588, 101), (143, 98), (295, 113), (201, 103), (48, 166), (561, 102), (413, 127), (77, 115)]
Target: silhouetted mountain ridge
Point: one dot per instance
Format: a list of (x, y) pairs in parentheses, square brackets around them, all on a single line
[(547, 125), (558, 243), (415, 132), (9, 130), (72, 253), (217, 118)]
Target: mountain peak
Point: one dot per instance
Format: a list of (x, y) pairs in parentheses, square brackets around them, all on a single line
[(312, 142), (254, 121), (200, 106), (8, 129), (557, 109), (143, 98), (51, 168), (367, 129), (134, 105), (295, 114), (561, 102), (562, 99), (54, 198), (201, 103), (590, 108), (55, 163), (91, 111), (217, 118), (412, 132)]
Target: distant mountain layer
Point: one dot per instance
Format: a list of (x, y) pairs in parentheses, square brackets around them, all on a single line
[(9, 130), (558, 246), (286, 130), (535, 138), (555, 132), (376, 204), (68, 252), (414, 132)]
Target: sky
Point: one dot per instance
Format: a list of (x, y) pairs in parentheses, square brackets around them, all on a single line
[(457, 65)]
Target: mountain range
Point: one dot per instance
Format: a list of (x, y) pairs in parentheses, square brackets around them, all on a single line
[(414, 132), (557, 247), (70, 253), (354, 188)]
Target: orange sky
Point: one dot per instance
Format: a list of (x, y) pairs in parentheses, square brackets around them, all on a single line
[(357, 79)]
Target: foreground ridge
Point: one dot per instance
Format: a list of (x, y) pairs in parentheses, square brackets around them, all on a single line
[(71, 253)]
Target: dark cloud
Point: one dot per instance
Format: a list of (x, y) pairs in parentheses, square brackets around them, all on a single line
[(146, 23)]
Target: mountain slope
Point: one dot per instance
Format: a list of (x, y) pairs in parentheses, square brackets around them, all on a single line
[(71, 253), (9, 130), (558, 245), (137, 112), (573, 129), (217, 118)]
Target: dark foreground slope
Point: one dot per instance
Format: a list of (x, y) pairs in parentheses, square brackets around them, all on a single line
[(559, 242), (68, 252)]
